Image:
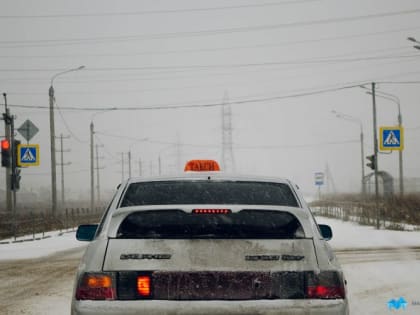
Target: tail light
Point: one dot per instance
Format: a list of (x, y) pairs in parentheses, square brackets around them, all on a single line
[(144, 286), (325, 285), (96, 286)]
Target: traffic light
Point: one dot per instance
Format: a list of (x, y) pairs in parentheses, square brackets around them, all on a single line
[(5, 153), (16, 179), (372, 163), (15, 167)]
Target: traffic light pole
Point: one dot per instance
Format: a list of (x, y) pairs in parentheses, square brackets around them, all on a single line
[(375, 153), (7, 132)]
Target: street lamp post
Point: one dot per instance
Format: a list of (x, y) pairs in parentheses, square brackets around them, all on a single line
[(396, 100), (52, 140), (359, 122)]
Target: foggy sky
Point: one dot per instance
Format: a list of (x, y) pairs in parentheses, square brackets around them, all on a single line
[(269, 58)]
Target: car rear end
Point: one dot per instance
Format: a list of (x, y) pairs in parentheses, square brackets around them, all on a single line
[(208, 259)]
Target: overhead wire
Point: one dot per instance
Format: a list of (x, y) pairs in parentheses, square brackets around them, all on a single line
[(231, 102), (66, 125), (153, 12), (210, 32), (237, 146), (222, 66), (224, 48)]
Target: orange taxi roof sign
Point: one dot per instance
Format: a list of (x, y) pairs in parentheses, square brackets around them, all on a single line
[(202, 166)]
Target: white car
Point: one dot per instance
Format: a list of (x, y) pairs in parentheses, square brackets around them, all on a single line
[(208, 243)]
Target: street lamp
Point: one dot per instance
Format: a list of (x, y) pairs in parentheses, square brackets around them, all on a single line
[(359, 122), (396, 100), (52, 139)]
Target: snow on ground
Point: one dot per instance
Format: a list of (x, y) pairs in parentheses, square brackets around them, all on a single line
[(350, 235), (25, 248)]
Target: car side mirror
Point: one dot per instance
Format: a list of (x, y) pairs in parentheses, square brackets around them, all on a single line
[(326, 231), (86, 232)]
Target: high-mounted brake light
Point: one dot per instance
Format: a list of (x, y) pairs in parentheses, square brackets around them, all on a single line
[(96, 286), (201, 166), (144, 286), (211, 211)]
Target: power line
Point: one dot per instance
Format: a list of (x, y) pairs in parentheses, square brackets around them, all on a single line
[(90, 40), (215, 49), (237, 146), (66, 125), (215, 104), (153, 12), (285, 146), (169, 106), (224, 66)]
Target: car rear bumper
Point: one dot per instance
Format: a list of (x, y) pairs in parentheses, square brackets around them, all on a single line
[(260, 307)]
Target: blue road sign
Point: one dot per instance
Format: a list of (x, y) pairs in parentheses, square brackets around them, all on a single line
[(28, 155), (391, 138), (319, 179)]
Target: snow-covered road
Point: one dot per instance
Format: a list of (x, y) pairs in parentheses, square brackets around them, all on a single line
[(379, 266)]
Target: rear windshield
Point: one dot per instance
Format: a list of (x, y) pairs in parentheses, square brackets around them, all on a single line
[(208, 192), (177, 224)]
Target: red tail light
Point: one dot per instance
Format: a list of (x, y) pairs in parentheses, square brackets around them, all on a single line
[(144, 286), (96, 286), (323, 292), (325, 285)]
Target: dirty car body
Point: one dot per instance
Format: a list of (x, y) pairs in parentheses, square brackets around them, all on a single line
[(208, 243)]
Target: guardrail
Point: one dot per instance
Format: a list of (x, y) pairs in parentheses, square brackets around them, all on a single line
[(38, 223), (394, 214)]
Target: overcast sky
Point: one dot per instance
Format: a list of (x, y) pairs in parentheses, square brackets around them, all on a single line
[(157, 72)]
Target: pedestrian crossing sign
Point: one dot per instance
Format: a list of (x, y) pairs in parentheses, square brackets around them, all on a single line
[(391, 138), (28, 155)]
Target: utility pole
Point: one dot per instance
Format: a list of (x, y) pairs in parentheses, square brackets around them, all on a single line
[(227, 150), (400, 156), (140, 167), (52, 140), (62, 164), (178, 153), (122, 167), (7, 126), (92, 181), (98, 189), (363, 159), (129, 164), (160, 165), (53, 158), (375, 153)]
